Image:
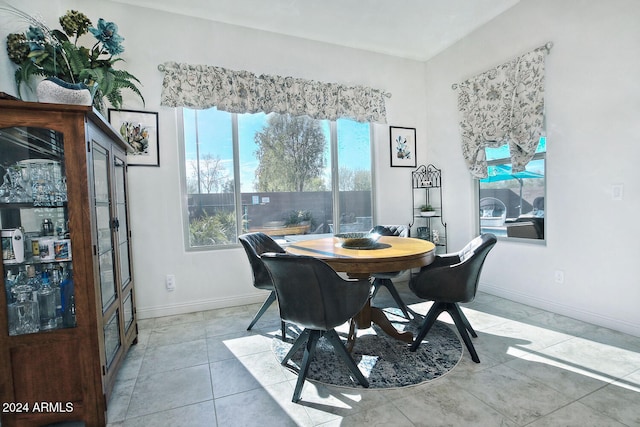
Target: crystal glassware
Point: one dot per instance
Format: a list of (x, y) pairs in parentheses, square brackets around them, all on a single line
[(18, 192), (4, 188), (42, 186), (24, 315)]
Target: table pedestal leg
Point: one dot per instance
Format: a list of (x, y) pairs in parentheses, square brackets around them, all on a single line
[(379, 318), (363, 318), (353, 333), (370, 314)]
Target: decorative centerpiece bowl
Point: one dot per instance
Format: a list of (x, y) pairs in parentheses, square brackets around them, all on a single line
[(357, 240)]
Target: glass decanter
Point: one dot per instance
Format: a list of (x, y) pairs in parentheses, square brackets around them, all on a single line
[(8, 285), (33, 279), (55, 284), (24, 315), (68, 298), (47, 304)]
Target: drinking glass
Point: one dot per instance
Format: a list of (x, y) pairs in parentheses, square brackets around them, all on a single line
[(47, 308), (4, 188), (42, 186), (13, 186)]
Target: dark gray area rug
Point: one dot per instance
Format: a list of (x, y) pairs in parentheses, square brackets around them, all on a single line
[(384, 361)]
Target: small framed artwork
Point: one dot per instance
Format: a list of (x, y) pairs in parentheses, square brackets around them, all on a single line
[(403, 146), (140, 130)]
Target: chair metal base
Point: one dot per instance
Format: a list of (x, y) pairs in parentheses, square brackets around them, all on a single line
[(459, 319), (388, 283), (310, 337), (265, 305)]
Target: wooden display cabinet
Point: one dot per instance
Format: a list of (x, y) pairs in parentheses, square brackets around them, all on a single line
[(63, 193)]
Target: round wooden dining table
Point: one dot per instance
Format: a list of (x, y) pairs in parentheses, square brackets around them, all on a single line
[(390, 253)]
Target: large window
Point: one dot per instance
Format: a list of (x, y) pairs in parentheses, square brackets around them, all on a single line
[(512, 204), (279, 174)]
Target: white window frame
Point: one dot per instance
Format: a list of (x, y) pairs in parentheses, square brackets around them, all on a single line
[(333, 143), (543, 241)]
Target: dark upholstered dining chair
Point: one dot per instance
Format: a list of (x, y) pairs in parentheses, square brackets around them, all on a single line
[(255, 244), (313, 296), (449, 280), (384, 279)]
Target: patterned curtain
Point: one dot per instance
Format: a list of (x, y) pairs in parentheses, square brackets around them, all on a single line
[(203, 86), (503, 105)]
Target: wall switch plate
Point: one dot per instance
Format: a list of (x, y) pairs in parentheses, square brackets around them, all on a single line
[(170, 282), (616, 191), (559, 276)]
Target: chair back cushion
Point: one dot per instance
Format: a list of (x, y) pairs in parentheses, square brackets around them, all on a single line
[(391, 230), (455, 282), (255, 244), (468, 251), (311, 294)]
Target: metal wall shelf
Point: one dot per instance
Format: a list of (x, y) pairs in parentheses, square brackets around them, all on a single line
[(426, 184)]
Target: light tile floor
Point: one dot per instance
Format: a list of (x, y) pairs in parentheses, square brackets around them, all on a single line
[(537, 369)]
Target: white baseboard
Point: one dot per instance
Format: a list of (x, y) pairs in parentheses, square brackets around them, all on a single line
[(200, 305), (563, 309), (553, 306)]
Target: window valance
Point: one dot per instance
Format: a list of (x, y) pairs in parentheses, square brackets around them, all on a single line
[(503, 105), (205, 86)]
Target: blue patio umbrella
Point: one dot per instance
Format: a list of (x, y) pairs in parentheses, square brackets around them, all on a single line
[(503, 172)]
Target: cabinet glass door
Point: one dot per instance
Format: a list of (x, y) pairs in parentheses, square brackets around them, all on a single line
[(128, 311), (103, 223), (111, 337), (121, 220), (36, 246)]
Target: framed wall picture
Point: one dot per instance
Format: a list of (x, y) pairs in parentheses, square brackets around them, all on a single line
[(140, 129), (402, 146)]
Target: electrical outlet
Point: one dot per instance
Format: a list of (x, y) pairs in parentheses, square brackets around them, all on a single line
[(559, 276), (170, 281)]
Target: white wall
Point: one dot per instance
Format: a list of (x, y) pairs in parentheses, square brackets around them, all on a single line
[(222, 277), (592, 110)]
